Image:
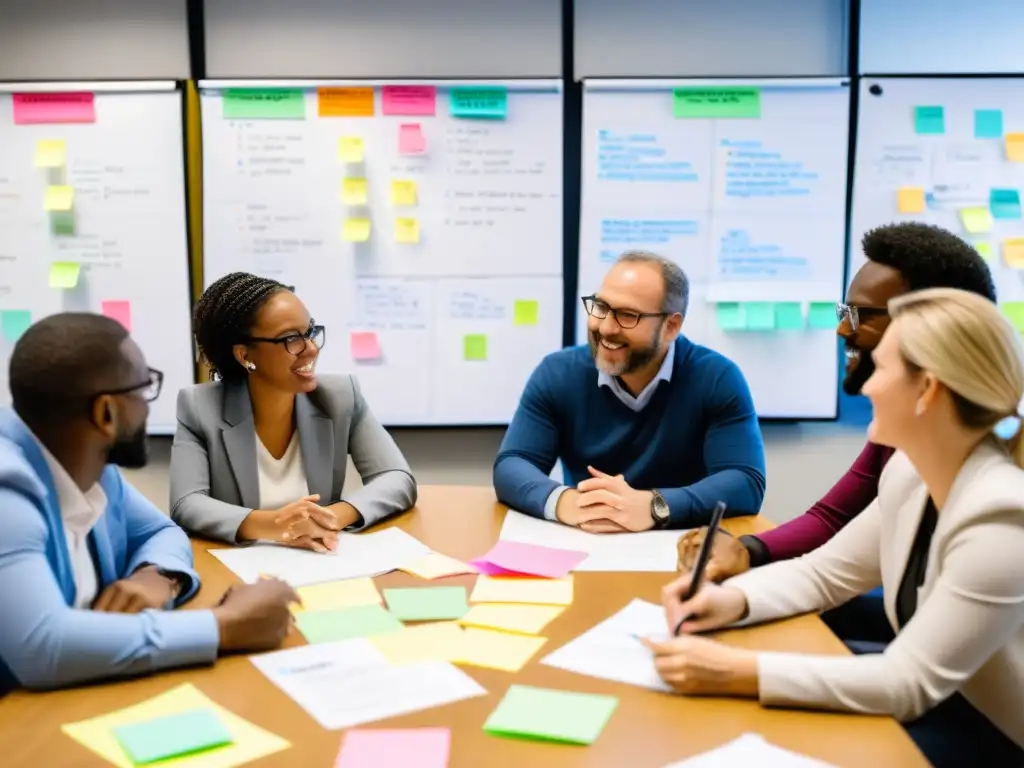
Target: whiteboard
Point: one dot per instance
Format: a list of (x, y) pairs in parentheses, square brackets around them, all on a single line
[(442, 296), (935, 177), (127, 230), (752, 208)]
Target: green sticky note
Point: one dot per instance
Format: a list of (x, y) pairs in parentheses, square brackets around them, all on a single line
[(346, 623), (730, 316), (984, 250), (474, 346), (789, 316), (1014, 311), (543, 713), (988, 123), (929, 121), (14, 322), (822, 316), (487, 103), (264, 104), (62, 222), (722, 102), (760, 315), (526, 312), (64, 274), (427, 603), (185, 733)]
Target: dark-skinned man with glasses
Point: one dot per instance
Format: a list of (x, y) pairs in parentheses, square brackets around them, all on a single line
[(89, 569), (651, 429)]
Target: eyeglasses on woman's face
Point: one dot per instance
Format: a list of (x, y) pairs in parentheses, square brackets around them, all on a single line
[(295, 343)]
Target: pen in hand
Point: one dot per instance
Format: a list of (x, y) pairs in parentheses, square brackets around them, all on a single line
[(703, 557)]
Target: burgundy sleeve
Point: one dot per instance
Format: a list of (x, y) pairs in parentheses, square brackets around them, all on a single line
[(847, 499)]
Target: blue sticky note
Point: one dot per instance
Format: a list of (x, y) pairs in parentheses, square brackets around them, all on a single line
[(185, 733), (484, 102), (988, 123), (14, 322), (1004, 203), (822, 316), (760, 315), (789, 316), (930, 120), (730, 316)]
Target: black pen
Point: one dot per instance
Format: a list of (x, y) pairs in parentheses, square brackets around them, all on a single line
[(702, 559)]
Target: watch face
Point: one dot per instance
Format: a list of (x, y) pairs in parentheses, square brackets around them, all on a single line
[(659, 509)]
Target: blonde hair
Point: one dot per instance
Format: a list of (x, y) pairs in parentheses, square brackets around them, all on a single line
[(966, 343)]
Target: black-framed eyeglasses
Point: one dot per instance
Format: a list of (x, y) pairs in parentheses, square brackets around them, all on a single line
[(295, 343), (149, 390), (626, 318), (853, 313)]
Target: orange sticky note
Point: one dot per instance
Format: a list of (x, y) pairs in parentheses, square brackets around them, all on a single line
[(120, 311), (365, 346), (345, 102), (910, 200), (1014, 147), (1013, 252)]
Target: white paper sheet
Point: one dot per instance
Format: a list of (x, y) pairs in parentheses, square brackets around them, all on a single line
[(645, 551), (350, 683), (357, 555), (611, 651), (750, 750)]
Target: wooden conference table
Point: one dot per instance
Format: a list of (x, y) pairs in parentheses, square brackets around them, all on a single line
[(648, 730)]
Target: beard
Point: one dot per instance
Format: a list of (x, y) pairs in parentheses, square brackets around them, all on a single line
[(635, 357), (858, 377), (130, 452)]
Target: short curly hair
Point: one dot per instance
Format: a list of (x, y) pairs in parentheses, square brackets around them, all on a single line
[(224, 316), (929, 257)]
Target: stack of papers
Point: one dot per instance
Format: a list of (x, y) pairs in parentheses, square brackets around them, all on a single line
[(387, 748), (543, 713), (750, 750), (515, 558)]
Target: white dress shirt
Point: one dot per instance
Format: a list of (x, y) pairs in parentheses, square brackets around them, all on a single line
[(283, 480)]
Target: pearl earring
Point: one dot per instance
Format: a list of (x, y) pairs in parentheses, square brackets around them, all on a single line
[(250, 365)]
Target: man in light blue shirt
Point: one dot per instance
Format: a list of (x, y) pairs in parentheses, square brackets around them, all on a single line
[(88, 566)]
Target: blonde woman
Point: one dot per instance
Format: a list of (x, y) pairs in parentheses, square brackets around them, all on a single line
[(945, 538)]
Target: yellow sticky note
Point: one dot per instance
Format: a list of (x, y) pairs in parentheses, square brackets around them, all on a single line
[(59, 198), (524, 619), (498, 650), (333, 595), (353, 191), (350, 149), (356, 230), (1013, 252), (497, 589), (436, 566), (984, 250), (910, 200), (438, 641), (249, 741), (1014, 143), (50, 154), (403, 192), (407, 230), (64, 274), (976, 220), (525, 312)]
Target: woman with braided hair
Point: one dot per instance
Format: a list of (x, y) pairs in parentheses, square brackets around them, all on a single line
[(260, 452)]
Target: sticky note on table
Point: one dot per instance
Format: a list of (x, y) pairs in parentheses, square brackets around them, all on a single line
[(407, 230), (822, 316), (408, 100), (345, 102), (346, 623), (64, 274), (729, 315), (532, 559), (42, 108), (483, 102), (436, 566), (976, 220), (789, 316), (264, 104), (14, 323), (910, 200), (185, 733), (356, 230), (411, 140), (544, 713), (427, 603), (498, 650), (517, 589), (988, 123), (1004, 203), (120, 311), (440, 641), (351, 149), (403, 192), (1014, 146), (365, 346), (930, 120), (759, 315), (395, 748), (248, 741), (59, 198), (720, 102), (984, 250), (1014, 312), (353, 191), (334, 595), (525, 312), (1013, 252), (524, 619), (50, 153), (474, 347)]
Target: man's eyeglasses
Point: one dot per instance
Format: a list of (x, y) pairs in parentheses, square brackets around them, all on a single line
[(149, 390), (854, 313), (626, 318), (295, 343)]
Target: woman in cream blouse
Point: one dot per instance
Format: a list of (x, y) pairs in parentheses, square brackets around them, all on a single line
[(945, 538)]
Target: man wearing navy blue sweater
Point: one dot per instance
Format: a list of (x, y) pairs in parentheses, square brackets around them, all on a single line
[(652, 429)]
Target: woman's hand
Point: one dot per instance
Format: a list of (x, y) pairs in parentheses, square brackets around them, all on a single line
[(698, 666), (304, 523), (712, 607)]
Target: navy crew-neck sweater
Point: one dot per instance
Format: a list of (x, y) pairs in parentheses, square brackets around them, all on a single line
[(696, 442)]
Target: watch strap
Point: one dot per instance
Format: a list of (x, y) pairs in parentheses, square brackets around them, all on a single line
[(756, 549)]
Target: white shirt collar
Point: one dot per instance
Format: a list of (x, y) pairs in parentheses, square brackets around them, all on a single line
[(79, 510), (640, 401)]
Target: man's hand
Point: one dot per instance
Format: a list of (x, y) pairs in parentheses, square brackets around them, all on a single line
[(608, 499), (255, 617), (145, 588), (728, 555)]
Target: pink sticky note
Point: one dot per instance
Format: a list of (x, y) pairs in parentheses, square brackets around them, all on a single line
[(533, 559), (490, 569), (365, 345), (411, 140), (419, 100), (39, 108), (395, 748), (120, 311)]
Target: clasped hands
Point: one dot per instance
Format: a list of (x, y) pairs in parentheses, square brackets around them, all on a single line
[(302, 523), (605, 503)]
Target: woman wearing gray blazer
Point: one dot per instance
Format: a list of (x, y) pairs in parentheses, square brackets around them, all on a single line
[(261, 452)]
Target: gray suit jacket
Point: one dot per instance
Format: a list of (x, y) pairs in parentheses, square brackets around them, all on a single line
[(214, 475)]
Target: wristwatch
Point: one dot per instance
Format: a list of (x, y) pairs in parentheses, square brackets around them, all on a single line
[(659, 510)]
